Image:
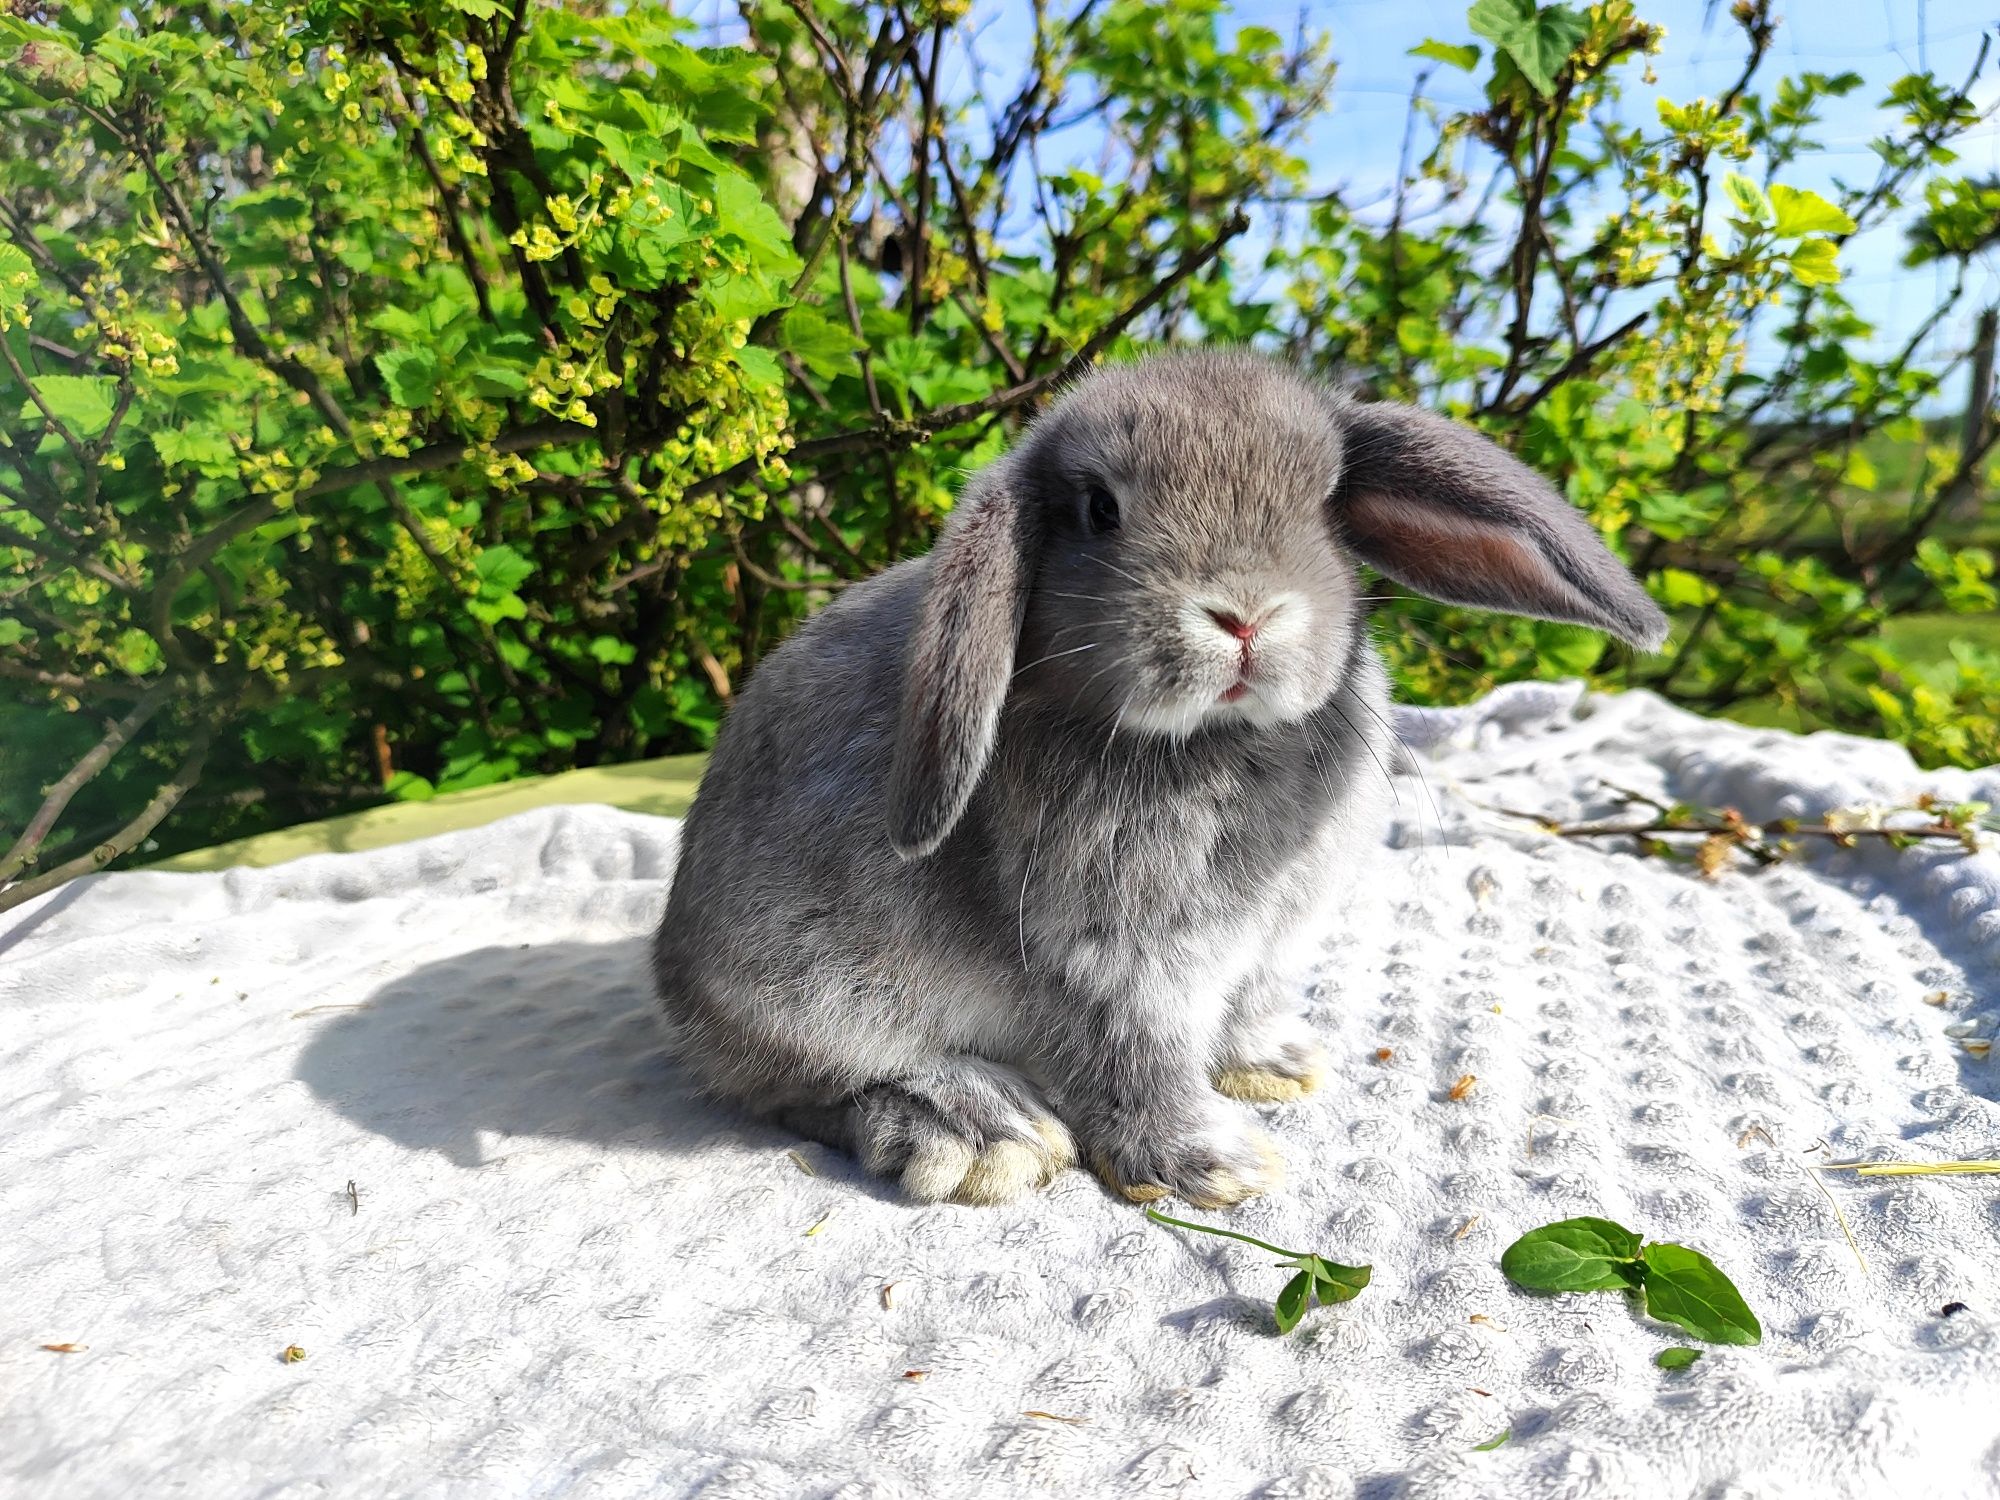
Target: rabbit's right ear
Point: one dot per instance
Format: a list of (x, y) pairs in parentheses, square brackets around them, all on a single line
[(961, 658)]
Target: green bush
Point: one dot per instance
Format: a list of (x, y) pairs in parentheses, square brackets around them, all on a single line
[(398, 397)]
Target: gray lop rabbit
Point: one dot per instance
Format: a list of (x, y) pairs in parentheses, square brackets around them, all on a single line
[(1021, 845)]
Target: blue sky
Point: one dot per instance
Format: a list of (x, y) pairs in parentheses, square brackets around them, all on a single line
[(1355, 143)]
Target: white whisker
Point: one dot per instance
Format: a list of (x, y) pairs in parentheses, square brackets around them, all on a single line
[(1088, 646)]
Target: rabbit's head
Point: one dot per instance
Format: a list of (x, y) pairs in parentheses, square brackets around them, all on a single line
[(1173, 549)]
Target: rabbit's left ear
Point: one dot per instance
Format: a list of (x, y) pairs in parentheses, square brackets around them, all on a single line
[(960, 659), (1439, 507)]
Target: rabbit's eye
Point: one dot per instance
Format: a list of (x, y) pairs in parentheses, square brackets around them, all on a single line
[(1102, 508)]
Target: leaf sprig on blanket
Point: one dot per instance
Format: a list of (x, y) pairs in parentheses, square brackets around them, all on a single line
[(1722, 835), (1330, 1281), (1681, 1286)]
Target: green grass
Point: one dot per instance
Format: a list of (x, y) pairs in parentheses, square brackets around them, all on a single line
[(1924, 640)]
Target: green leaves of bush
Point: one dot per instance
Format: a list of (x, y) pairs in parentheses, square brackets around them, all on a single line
[(1537, 38), (1680, 1285)]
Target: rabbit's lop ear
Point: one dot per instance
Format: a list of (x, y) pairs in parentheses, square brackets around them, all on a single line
[(961, 658), (1437, 506)]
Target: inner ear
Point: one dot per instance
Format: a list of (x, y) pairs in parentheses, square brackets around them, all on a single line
[(1444, 509), (1459, 558)]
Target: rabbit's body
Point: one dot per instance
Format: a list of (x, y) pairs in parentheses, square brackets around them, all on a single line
[(944, 910), (1199, 874)]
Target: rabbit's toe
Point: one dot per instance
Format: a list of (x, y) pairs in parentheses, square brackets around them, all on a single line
[(949, 1168), (1265, 1086), (1273, 1061), (1001, 1173), (937, 1167), (1208, 1169), (966, 1132)]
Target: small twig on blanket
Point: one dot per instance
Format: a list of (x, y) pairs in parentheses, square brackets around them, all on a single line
[(1724, 833)]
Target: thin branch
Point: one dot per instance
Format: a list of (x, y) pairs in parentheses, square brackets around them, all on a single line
[(771, 580), (241, 329), (1578, 362), (549, 434), (1726, 831), (56, 423), (125, 839), (70, 682), (63, 557), (893, 433), (29, 844), (448, 216)]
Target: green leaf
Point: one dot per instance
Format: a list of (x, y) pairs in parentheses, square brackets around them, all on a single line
[(1799, 211), (1332, 1290), (1493, 1442), (135, 651), (1333, 1282), (1539, 40), (1813, 263), (82, 403), (410, 374), (490, 379), (742, 212), (1291, 1303), (205, 448), (1573, 1255), (494, 608), (1569, 649), (1682, 590), (741, 298), (761, 369), (408, 786), (501, 569), (1465, 56), (822, 345), (1677, 1358), (1748, 197), (1683, 1286)]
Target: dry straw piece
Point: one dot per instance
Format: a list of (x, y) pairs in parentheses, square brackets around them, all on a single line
[(1910, 1168)]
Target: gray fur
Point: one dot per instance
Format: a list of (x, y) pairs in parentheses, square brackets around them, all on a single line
[(1496, 509), (982, 848)]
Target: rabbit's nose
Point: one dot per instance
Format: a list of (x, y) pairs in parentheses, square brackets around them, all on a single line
[(1236, 625)]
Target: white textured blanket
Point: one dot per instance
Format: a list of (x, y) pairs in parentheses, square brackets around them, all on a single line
[(556, 1274)]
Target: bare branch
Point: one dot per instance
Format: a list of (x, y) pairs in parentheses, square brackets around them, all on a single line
[(892, 433), (125, 839), (29, 844)]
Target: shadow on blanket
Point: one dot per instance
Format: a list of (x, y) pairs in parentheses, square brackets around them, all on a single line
[(554, 1039)]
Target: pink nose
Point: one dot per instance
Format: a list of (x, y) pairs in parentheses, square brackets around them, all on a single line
[(1242, 629)]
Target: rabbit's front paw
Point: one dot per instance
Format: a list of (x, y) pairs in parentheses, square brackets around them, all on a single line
[(1212, 1165), (964, 1130), (1273, 1060)]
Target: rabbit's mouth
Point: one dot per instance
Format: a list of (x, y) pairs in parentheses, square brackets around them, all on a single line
[(1231, 694)]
